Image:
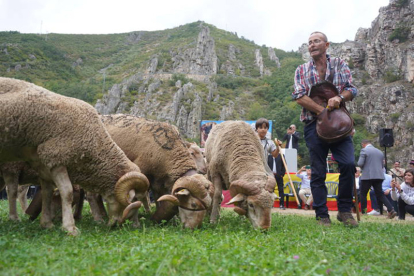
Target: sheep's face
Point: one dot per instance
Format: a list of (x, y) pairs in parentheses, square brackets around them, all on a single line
[(191, 209), (257, 208), (198, 156)]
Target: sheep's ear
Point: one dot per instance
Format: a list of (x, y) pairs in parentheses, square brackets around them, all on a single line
[(182, 192), (169, 198), (237, 198)]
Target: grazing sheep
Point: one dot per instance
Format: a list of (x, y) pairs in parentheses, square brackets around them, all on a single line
[(236, 162), (198, 157), (11, 174), (163, 157), (64, 140)]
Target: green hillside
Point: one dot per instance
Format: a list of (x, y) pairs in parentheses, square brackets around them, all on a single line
[(86, 66)]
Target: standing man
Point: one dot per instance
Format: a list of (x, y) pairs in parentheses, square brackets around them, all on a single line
[(371, 163), (276, 164), (292, 138), (323, 67), (397, 172)]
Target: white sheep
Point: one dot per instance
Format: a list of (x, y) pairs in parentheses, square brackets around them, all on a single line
[(64, 140), (162, 155), (236, 161)]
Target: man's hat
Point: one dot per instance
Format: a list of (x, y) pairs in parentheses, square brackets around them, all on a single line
[(412, 162)]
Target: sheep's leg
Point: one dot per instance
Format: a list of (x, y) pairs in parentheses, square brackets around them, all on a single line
[(79, 204), (215, 209), (61, 178), (97, 206), (47, 194), (12, 183), (147, 202), (22, 196)]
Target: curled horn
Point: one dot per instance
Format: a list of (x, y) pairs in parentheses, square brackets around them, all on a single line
[(270, 184), (237, 198), (243, 187), (131, 181), (197, 185), (170, 198), (133, 205)]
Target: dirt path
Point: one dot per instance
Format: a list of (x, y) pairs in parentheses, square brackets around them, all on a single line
[(368, 218)]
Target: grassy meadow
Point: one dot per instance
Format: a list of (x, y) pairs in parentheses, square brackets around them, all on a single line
[(295, 245)]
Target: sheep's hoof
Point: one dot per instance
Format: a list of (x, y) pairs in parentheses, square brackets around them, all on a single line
[(47, 225), (14, 218), (73, 231)]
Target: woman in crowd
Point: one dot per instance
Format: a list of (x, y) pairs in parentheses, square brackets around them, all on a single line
[(404, 193)]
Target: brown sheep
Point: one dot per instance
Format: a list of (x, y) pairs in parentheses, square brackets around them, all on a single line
[(164, 158), (236, 162), (64, 140)]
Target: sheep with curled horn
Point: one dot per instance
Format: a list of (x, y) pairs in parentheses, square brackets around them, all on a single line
[(162, 155), (64, 140), (236, 162)]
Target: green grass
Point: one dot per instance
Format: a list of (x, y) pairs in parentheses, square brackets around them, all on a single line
[(295, 245)]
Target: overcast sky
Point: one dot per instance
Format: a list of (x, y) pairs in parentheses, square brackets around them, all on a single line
[(280, 24)]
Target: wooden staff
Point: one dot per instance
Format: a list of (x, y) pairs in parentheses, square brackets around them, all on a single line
[(287, 171), (356, 201)]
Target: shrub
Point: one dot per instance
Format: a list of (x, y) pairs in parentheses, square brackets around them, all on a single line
[(390, 76), (394, 117), (400, 33)]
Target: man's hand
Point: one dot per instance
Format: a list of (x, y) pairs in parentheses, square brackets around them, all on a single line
[(334, 103), (278, 142)]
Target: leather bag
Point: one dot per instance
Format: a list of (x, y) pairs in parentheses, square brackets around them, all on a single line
[(331, 126)]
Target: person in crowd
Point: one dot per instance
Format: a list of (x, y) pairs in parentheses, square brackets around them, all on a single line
[(357, 180), (262, 127), (279, 170), (323, 67), (305, 189), (270, 149), (386, 190), (397, 172), (404, 194), (411, 165), (371, 163), (292, 138)]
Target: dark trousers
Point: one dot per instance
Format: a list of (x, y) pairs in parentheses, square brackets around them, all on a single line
[(279, 181), (365, 185), (374, 203), (344, 155), (404, 208)]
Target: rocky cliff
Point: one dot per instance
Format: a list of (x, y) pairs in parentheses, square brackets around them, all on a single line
[(381, 59)]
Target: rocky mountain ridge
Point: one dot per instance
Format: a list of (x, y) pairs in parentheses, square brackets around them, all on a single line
[(383, 71)]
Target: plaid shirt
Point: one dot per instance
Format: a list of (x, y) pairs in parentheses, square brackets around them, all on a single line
[(306, 75)]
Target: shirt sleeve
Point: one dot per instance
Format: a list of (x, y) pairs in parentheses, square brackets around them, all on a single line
[(394, 195), (407, 199), (300, 88), (271, 146)]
